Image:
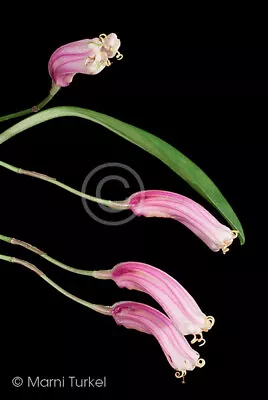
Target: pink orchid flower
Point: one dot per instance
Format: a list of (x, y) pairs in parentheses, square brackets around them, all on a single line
[(88, 56), (171, 296), (137, 316), (158, 203), (146, 319)]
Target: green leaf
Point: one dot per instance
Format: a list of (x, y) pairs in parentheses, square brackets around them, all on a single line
[(173, 158)]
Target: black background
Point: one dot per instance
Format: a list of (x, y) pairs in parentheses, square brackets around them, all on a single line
[(199, 92)]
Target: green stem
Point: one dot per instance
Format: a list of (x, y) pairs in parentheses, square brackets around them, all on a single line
[(106, 310), (50, 259), (119, 205), (54, 90)]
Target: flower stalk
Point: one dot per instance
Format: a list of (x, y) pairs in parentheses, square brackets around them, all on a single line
[(106, 310), (53, 91), (42, 254), (109, 203)]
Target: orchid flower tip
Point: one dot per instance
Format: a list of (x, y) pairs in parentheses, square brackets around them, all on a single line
[(194, 339), (210, 321), (201, 363), (109, 42), (181, 375), (235, 233), (203, 342), (199, 340)]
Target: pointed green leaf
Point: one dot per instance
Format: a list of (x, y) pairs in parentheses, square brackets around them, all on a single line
[(173, 158)]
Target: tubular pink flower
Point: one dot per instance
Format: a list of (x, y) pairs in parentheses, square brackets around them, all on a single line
[(88, 56), (178, 304), (158, 203), (146, 319)]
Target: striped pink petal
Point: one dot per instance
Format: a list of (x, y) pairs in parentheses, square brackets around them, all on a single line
[(146, 319), (158, 203), (178, 304)]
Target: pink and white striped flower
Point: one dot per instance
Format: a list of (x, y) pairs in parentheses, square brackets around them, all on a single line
[(88, 56), (146, 319), (178, 304), (159, 203)]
